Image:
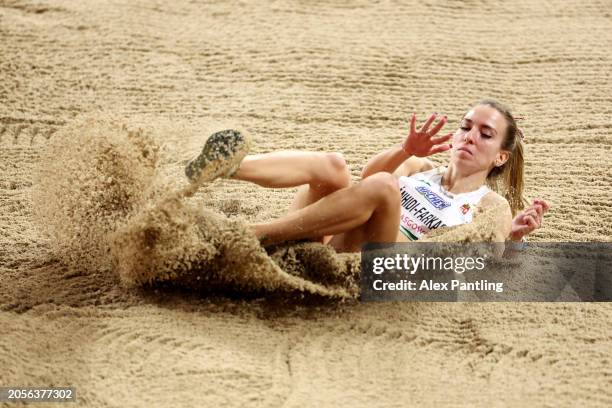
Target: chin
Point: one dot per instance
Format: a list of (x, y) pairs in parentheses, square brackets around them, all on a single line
[(458, 157)]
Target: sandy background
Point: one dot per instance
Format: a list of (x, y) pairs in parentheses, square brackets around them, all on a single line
[(329, 76)]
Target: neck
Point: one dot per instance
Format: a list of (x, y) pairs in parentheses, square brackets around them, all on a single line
[(458, 182)]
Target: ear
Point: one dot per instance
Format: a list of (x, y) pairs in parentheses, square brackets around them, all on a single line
[(502, 157)]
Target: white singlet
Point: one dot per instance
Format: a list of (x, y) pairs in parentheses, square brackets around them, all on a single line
[(426, 205)]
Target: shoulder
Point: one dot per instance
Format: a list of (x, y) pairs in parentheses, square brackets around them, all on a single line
[(500, 210), (492, 199), (414, 165)]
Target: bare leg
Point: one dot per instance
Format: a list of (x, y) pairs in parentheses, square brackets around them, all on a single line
[(320, 171), (370, 209), (318, 175)]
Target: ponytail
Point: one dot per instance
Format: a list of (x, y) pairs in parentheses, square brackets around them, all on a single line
[(511, 173), (512, 177)]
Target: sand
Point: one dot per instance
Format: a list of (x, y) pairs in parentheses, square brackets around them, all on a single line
[(328, 76)]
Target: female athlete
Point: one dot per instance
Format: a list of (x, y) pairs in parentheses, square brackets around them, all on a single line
[(402, 195)]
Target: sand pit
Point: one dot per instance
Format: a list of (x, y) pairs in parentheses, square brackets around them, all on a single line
[(325, 76)]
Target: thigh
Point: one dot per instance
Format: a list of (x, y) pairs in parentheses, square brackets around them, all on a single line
[(383, 226), (306, 196), (349, 241)]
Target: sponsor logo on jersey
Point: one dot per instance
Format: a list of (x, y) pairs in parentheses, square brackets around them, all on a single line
[(433, 198), (419, 212)]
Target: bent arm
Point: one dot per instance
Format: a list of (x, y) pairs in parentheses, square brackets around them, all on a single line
[(388, 161), (417, 146)]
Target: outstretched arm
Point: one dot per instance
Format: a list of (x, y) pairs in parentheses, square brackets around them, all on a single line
[(418, 144)]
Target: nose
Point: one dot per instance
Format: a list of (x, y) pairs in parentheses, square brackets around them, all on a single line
[(469, 136)]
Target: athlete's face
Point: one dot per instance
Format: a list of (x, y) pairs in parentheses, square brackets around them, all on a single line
[(477, 143)]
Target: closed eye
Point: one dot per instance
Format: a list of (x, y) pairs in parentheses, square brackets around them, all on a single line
[(486, 136)]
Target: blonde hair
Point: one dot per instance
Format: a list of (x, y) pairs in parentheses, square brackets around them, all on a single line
[(511, 173)]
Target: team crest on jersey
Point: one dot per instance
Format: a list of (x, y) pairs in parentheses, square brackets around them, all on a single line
[(433, 198), (465, 208)]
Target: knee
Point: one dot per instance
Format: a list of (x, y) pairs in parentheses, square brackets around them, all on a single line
[(337, 166), (383, 188), (336, 161), (333, 173)]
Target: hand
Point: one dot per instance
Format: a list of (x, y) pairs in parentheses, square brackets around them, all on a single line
[(528, 220), (423, 143)]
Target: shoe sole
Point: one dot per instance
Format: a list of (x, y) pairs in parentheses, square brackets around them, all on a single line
[(220, 157)]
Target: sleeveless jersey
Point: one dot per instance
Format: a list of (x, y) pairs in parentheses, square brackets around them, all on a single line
[(426, 205)]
